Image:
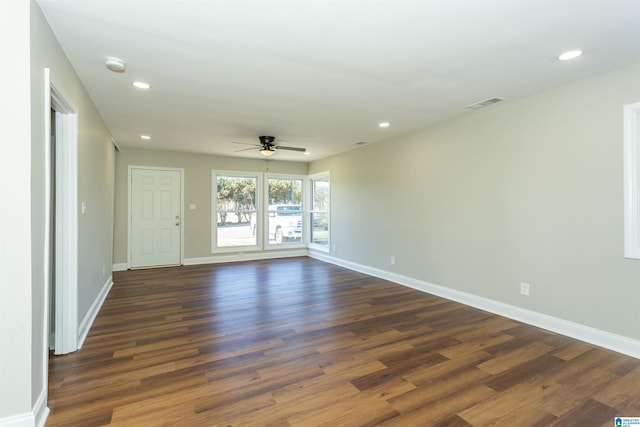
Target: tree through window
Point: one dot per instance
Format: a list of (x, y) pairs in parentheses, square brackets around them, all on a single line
[(236, 205), (254, 211), (285, 212), (320, 209)]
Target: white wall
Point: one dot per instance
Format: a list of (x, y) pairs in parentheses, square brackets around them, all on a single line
[(529, 190), (15, 211)]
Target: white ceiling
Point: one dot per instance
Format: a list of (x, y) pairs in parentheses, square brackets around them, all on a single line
[(323, 74)]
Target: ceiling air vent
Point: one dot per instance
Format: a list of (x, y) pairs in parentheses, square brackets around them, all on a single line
[(484, 103)]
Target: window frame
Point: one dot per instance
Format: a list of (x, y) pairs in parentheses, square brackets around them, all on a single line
[(631, 127), (265, 213), (311, 179), (214, 207), (262, 212)]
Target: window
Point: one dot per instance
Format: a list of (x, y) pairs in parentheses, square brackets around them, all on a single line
[(285, 210), (320, 211), (235, 211), (632, 180), (255, 211)]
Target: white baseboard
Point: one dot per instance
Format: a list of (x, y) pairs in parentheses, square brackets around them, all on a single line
[(618, 343), (40, 409), (232, 257), (22, 420), (121, 266), (36, 418), (248, 256), (85, 326)]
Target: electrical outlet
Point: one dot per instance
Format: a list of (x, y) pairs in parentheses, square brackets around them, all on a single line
[(524, 289), (393, 260), (334, 247)]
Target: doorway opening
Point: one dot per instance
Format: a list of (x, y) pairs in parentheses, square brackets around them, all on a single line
[(61, 221)]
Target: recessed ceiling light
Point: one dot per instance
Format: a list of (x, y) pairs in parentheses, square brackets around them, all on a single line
[(306, 153), (141, 85), (145, 137), (383, 124), (570, 55)]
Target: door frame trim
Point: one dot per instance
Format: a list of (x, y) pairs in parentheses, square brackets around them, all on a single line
[(66, 157), (631, 150), (129, 215)]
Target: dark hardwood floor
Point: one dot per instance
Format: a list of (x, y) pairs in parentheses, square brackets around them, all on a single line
[(298, 342)]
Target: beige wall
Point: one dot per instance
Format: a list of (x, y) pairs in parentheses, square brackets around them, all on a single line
[(197, 189), (525, 191), (529, 190), (30, 47), (96, 163)]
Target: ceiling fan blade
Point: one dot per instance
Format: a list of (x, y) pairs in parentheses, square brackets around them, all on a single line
[(244, 149), (246, 143), (283, 147)]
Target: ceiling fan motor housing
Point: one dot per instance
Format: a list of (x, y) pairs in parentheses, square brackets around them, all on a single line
[(267, 141)]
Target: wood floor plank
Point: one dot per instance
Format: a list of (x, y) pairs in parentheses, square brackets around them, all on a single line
[(442, 408), (572, 393), (516, 357), (245, 412), (429, 393), (305, 397), (590, 412), (347, 412), (623, 393), (521, 402), (529, 369), (299, 342)]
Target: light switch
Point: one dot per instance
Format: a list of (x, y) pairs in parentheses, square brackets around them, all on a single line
[(84, 208), (192, 206)]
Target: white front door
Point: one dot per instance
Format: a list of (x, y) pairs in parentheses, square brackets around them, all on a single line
[(156, 222)]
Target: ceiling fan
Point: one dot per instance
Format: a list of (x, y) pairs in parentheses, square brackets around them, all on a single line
[(268, 147)]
